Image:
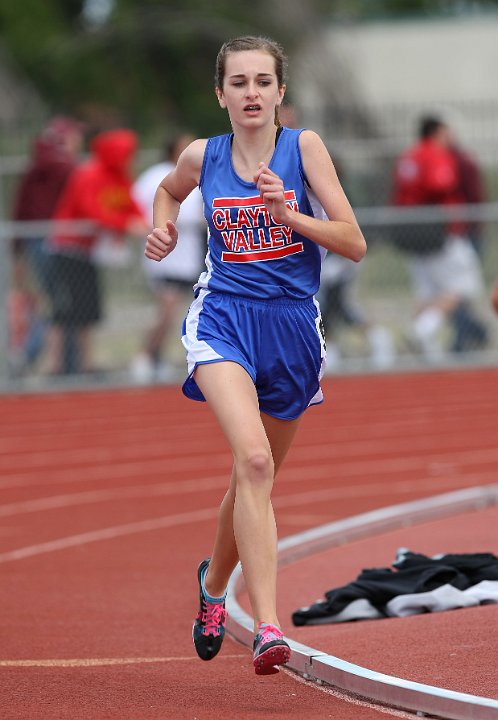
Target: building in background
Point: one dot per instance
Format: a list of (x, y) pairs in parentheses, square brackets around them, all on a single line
[(386, 74)]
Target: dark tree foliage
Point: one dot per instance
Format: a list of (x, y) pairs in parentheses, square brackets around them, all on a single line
[(150, 63)]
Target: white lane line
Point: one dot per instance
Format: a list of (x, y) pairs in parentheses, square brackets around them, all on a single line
[(302, 520), (367, 490), (153, 449), (109, 533), (104, 662), (113, 469), (55, 502), (438, 462), (89, 455)]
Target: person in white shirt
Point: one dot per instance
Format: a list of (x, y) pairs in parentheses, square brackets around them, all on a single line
[(171, 281)]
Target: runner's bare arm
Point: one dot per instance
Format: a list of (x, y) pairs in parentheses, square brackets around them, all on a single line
[(341, 234), (169, 195)]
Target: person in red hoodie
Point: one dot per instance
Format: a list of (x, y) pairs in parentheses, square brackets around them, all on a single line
[(443, 264), (98, 192)]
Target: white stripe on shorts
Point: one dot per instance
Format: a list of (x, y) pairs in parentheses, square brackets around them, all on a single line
[(197, 350), (318, 396)]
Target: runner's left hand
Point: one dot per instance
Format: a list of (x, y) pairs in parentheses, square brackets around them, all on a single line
[(271, 189)]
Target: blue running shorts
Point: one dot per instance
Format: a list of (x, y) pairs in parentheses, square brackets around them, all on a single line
[(279, 342)]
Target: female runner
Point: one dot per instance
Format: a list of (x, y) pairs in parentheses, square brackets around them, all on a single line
[(253, 337)]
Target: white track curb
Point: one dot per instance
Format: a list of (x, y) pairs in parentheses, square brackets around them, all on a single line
[(326, 669)]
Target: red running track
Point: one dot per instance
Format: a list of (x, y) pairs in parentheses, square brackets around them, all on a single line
[(108, 502)]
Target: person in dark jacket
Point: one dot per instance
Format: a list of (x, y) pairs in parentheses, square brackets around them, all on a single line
[(494, 296), (54, 156)]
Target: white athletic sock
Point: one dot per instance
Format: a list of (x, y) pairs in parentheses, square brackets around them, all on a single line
[(428, 323), (425, 329), (381, 346)]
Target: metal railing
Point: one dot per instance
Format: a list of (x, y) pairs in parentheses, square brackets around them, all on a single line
[(381, 288)]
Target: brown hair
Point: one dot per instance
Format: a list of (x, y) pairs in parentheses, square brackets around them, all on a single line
[(251, 42)]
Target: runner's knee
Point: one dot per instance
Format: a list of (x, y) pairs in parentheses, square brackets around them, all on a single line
[(255, 467)]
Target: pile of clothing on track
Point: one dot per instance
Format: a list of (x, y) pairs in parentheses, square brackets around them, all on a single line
[(414, 584)]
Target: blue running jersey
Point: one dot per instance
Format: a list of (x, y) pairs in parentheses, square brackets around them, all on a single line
[(250, 255)]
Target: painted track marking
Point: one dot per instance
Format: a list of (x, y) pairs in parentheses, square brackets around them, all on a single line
[(54, 502), (301, 456), (104, 662), (110, 533)]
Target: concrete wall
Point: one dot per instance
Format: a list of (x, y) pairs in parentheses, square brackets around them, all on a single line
[(434, 61), (394, 71)]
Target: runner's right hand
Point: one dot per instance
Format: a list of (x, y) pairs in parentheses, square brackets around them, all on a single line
[(161, 241)]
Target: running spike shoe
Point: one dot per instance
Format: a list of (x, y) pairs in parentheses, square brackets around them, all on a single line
[(208, 630), (270, 650)]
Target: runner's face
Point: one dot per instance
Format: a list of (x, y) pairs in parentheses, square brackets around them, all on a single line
[(250, 88)]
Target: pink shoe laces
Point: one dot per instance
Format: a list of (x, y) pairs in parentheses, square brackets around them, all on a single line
[(268, 633), (213, 618)]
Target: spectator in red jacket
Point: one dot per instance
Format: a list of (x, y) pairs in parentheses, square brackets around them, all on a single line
[(444, 266), (54, 156), (98, 191)]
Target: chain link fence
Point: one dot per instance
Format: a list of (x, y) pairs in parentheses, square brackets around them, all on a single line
[(369, 308)]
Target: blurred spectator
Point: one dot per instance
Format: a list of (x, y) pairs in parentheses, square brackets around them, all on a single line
[(339, 279), (471, 188), (443, 263), (288, 115), (171, 280), (22, 314), (494, 296), (472, 192), (54, 155), (99, 190), (337, 287), (338, 307)]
